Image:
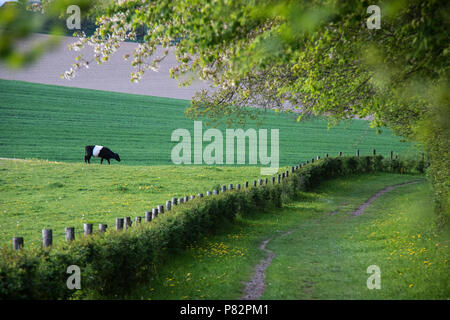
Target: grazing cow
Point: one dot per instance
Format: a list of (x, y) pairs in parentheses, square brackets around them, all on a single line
[(99, 151)]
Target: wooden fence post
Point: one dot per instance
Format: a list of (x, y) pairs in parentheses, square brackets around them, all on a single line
[(340, 153), (278, 178), (47, 237), (215, 191), (192, 197), (357, 152), (160, 209), (186, 199), (374, 152), (266, 181), (137, 221), (312, 160), (326, 155), (318, 157), (174, 201), (246, 184), (238, 186), (17, 243), (148, 216), (127, 222), (200, 195), (154, 213), (208, 193), (254, 183), (102, 227), (224, 188), (168, 205), (180, 200), (273, 180), (70, 233), (87, 227), (259, 182), (119, 223), (230, 186)]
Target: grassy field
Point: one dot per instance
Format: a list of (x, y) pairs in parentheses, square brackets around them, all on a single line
[(325, 257), (55, 123), (37, 194)]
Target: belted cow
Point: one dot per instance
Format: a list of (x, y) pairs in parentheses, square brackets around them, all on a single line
[(100, 152)]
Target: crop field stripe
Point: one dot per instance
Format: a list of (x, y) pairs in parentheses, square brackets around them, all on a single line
[(55, 123)]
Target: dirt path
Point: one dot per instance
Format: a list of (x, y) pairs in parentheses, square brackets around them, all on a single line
[(363, 207), (256, 286)]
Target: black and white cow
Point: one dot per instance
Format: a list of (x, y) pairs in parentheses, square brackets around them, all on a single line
[(100, 152)]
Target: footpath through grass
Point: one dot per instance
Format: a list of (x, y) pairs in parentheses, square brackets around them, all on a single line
[(325, 256)]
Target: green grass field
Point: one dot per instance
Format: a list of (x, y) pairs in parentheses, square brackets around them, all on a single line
[(324, 257), (55, 123), (37, 194)]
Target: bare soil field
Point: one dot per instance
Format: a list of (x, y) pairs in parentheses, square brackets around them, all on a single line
[(113, 75)]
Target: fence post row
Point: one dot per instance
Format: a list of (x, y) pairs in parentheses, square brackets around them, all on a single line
[(47, 234)]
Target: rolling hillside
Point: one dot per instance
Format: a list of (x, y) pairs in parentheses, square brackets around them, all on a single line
[(55, 123)]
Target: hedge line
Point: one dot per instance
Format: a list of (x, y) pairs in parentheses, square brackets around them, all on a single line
[(112, 263)]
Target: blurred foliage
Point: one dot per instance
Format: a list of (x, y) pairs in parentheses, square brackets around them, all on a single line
[(19, 20)]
